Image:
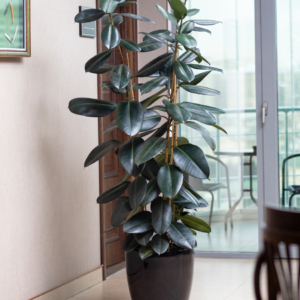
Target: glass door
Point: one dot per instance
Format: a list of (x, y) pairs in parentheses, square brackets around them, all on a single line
[(232, 189)]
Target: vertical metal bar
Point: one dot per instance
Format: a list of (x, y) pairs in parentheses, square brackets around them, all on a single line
[(287, 147)]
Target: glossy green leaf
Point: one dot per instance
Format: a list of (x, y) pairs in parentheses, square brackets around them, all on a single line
[(102, 69), (188, 56), (144, 238), (188, 193), (155, 38), (89, 15), (139, 223), (154, 84), (179, 7), (91, 107), (154, 66), (130, 116), (177, 112), (150, 45), (199, 57), (130, 243), (112, 126), (220, 128), (199, 113), (193, 231), (152, 192), (161, 215), (125, 177), (130, 45), (100, 151), (198, 78), (136, 191), (201, 67), (159, 107), (170, 180), (127, 153), (151, 119), (192, 12), (113, 193), (159, 33), (160, 244), (149, 149), (109, 6), (151, 169), (196, 106), (186, 40), (126, 3), (152, 99), (121, 210), (161, 131), (111, 87), (136, 17), (145, 133), (206, 22), (183, 202), (205, 134), (200, 90), (195, 223), (187, 27), (181, 235), (134, 212), (191, 160), (111, 36), (166, 14), (145, 252), (200, 29), (183, 71), (97, 61), (120, 76), (117, 19)]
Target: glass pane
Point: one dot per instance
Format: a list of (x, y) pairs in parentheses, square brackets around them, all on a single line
[(288, 47), (231, 47)]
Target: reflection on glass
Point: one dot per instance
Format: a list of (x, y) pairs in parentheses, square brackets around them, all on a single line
[(288, 49), (231, 47)]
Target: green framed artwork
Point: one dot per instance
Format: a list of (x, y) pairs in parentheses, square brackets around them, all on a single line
[(15, 28)]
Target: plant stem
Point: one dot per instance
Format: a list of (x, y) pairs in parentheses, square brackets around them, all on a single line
[(120, 50), (131, 88)]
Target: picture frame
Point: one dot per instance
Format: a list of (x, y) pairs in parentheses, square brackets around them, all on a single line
[(15, 34)]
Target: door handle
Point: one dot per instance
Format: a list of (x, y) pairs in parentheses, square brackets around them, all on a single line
[(264, 112)]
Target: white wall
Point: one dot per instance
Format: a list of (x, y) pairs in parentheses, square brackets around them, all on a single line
[(49, 219)]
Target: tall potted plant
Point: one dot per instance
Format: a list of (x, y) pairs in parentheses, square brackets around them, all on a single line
[(161, 233)]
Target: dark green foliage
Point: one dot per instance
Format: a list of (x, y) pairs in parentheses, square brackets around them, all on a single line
[(136, 191), (121, 210), (151, 119), (97, 61), (117, 19), (145, 251), (130, 243), (152, 192), (89, 15), (111, 36), (129, 45), (139, 223), (113, 193), (161, 215), (144, 238), (151, 169), (160, 243), (181, 235)]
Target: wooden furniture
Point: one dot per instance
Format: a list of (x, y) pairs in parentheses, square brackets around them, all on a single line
[(282, 243)]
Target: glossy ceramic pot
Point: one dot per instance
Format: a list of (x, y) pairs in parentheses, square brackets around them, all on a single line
[(165, 277)]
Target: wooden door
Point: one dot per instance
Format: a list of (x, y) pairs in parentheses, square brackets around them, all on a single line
[(110, 168)]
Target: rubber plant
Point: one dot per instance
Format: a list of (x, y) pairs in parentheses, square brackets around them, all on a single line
[(157, 208)]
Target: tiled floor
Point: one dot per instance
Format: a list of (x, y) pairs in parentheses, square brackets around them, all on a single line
[(214, 279)]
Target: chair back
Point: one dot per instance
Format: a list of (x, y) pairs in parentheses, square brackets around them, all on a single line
[(281, 255)]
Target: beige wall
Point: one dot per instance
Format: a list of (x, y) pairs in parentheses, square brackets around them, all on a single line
[(49, 220)]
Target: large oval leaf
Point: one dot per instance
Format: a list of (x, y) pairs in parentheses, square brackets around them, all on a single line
[(91, 107), (130, 243), (139, 223), (195, 106), (183, 202), (97, 61), (111, 36), (170, 180), (89, 15), (130, 45), (144, 238), (160, 244), (154, 66), (112, 88), (120, 76), (150, 45), (200, 90), (181, 235), (127, 154), (117, 19), (206, 22), (149, 149), (112, 126), (192, 12), (161, 131), (188, 193), (195, 223), (151, 119), (198, 78), (199, 113), (183, 71), (186, 40), (155, 37), (100, 151), (152, 192), (200, 29), (159, 33), (151, 169), (166, 14), (145, 252), (191, 160), (109, 6), (130, 117), (113, 193), (136, 191), (188, 56), (177, 112), (205, 134), (161, 215), (102, 69), (178, 7), (136, 17), (121, 210), (187, 27), (201, 67), (154, 84)]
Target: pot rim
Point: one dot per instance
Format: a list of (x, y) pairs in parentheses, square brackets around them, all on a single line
[(178, 251)]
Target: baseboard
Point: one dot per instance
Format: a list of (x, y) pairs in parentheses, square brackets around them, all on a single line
[(73, 287)]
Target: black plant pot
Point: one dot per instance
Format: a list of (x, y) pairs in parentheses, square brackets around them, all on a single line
[(165, 277)]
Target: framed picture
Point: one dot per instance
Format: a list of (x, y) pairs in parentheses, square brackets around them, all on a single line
[(15, 28)]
